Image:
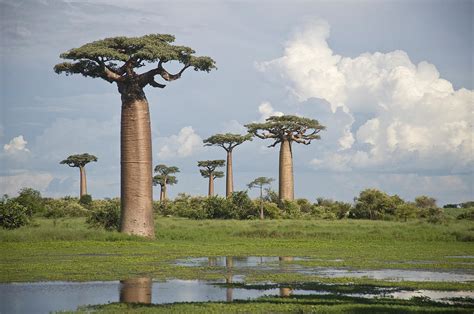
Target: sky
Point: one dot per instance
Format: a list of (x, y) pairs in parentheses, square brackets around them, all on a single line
[(391, 80)]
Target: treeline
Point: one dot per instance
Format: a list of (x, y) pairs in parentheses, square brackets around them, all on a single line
[(370, 204)]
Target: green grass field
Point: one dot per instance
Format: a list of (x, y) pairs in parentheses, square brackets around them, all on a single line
[(66, 249)]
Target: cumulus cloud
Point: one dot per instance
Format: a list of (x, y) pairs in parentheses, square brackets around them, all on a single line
[(184, 144), (404, 115), (266, 110), (13, 183), (16, 145)]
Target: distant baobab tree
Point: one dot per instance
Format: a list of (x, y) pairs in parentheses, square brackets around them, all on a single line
[(285, 130), (228, 142), (210, 172), (259, 183), (80, 161), (164, 178), (116, 60)]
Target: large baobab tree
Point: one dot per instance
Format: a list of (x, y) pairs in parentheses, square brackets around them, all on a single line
[(259, 183), (80, 161), (285, 130), (228, 142), (209, 171), (164, 178), (116, 60)]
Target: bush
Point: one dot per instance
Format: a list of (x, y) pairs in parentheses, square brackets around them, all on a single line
[(218, 208), (424, 201), (12, 214), (86, 200), (374, 204), (185, 205), (469, 215), (105, 216), (270, 210), (405, 211), (305, 205), (32, 200), (290, 209), (240, 206), (435, 215), (64, 208)]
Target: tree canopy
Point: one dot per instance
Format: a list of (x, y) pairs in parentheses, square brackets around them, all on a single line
[(79, 160), (115, 59), (288, 127), (210, 168), (164, 176), (228, 141), (260, 182)]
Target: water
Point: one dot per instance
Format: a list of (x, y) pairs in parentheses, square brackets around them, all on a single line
[(45, 297), (286, 264)]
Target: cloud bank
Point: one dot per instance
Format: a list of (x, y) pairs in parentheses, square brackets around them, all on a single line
[(402, 116)]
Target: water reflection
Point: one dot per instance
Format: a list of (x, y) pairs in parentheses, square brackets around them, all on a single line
[(228, 278), (285, 292), (136, 290)]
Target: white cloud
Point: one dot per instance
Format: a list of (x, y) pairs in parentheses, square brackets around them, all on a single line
[(184, 144), (12, 184), (16, 145), (266, 110), (407, 117)]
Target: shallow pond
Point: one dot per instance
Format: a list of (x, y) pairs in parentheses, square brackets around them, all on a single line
[(45, 297), (290, 264)]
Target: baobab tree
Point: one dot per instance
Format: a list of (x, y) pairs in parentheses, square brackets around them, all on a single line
[(80, 161), (116, 60), (259, 183), (164, 178), (285, 130), (210, 172), (228, 142)]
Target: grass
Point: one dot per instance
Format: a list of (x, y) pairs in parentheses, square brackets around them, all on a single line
[(66, 249)]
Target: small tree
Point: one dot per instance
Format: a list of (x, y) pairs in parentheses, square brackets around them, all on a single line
[(228, 142), (285, 130), (80, 161), (164, 178), (260, 182), (209, 171)]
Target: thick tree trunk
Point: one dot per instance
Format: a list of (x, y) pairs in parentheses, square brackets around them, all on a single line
[(261, 202), (211, 185), (83, 190), (136, 168), (286, 184), (164, 193), (229, 186), (136, 290)]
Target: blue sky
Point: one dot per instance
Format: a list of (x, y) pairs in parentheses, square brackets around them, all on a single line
[(391, 80)]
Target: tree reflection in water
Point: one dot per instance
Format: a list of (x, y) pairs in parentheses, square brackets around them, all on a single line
[(136, 290)]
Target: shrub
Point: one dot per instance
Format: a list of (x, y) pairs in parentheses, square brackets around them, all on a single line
[(64, 208), (185, 205), (290, 209), (12, 214), (270, 210), (405, 211), (86, 200), (305, 205), (106, 216), (435, 215), (374, 204), (31, 199), (218, 207), (469, 215), (424, 201), (240, 206)]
